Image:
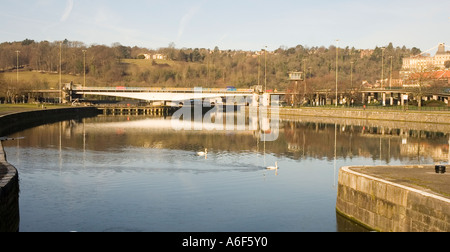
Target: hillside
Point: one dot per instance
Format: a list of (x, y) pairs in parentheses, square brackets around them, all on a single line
[(39, 64)]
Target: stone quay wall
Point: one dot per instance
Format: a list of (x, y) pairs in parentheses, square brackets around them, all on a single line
[(432, 117), (384, 206), (9, 195), (15, 122)]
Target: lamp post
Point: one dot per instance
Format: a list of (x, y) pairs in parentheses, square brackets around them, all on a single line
[(351, 75), (265, 70), (337, 70), (304, 81), (60, 72), (17, 52), (390, 78), (382, 66), (84, 68)]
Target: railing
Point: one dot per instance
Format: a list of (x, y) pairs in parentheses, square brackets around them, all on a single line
[(161, 90), (380, 107)]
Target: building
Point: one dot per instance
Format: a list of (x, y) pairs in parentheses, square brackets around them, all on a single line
[(296, 76), (159, 57), (366, 53), (426, 62)]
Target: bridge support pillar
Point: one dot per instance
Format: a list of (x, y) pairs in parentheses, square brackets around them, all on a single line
[(255, 100)]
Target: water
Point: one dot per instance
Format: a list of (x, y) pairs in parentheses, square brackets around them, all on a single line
[(135, 173)]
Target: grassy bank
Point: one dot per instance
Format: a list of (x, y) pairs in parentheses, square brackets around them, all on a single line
[(16, 108)]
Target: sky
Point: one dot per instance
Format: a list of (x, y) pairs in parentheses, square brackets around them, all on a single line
[(230, 24)]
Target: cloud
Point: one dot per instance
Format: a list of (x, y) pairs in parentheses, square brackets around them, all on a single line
[(67, 11)]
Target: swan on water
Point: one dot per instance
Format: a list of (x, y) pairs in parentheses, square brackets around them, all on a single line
[(202, 153), (273, 167)]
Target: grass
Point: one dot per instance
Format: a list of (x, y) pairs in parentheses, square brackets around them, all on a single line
[(43, 80), (15, 108)]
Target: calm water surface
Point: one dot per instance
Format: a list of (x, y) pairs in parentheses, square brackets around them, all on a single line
[(136, 173)]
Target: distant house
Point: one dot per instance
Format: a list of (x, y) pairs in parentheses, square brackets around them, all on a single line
[(367, 53), (147, 56), (159, 56)]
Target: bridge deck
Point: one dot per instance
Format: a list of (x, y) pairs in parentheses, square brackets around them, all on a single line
[(160, 90)]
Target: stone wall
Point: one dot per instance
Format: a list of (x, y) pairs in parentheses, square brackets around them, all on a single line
[(9, 195), (432, 117), (388, 207), (15, 122)]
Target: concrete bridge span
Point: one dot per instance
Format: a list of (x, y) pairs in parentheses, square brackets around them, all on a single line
[(162, 94)]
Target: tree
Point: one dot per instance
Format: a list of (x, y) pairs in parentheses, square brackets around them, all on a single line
[(447, 64), (422, 80)]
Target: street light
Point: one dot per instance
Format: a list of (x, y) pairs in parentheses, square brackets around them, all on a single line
[(84, 67), (17, 52), (351, 75), (304, 81), (265, 70), (390, 78), (337, 70), (382, 66), (60, 72)]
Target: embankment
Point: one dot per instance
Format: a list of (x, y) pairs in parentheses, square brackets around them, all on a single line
[(9, 195), (391, 206), (429, 117), (15, 122)]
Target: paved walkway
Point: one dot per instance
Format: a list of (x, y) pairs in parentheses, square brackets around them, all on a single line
[(422, 178)]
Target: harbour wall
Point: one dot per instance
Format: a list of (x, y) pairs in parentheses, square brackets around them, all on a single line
[(9, 195), (15, 122), (429, 117), (384, 206)]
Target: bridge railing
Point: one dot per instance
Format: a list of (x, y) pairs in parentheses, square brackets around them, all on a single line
[(161, 90)]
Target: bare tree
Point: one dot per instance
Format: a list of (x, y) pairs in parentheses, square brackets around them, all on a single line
[(421, 81)]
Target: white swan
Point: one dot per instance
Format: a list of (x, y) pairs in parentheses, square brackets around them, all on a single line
[(273, 167), (202, 153)]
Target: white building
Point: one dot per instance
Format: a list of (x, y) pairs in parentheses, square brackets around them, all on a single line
[(159, 57), (421, 62)]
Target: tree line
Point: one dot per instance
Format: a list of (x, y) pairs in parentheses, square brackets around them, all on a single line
[(190, 67)]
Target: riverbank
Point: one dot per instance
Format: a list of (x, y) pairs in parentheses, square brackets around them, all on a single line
[(19, 107), (9, 195), (395, 198), (26, 117), (401, 116)]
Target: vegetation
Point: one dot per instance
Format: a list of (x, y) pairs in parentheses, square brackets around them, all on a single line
[(447, 64), (39, 66)]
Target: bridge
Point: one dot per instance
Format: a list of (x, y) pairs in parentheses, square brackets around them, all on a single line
[(386, 96), (159, 94)]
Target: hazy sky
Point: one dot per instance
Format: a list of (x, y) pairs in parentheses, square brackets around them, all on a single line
[(229, 24)]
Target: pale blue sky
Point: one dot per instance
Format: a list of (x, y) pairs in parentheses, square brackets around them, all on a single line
[(229, 24)]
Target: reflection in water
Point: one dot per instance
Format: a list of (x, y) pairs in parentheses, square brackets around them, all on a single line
[(139, 173), (300, 140)]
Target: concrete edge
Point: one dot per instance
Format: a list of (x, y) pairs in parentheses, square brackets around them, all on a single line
[(426, 194), (11, 170)]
